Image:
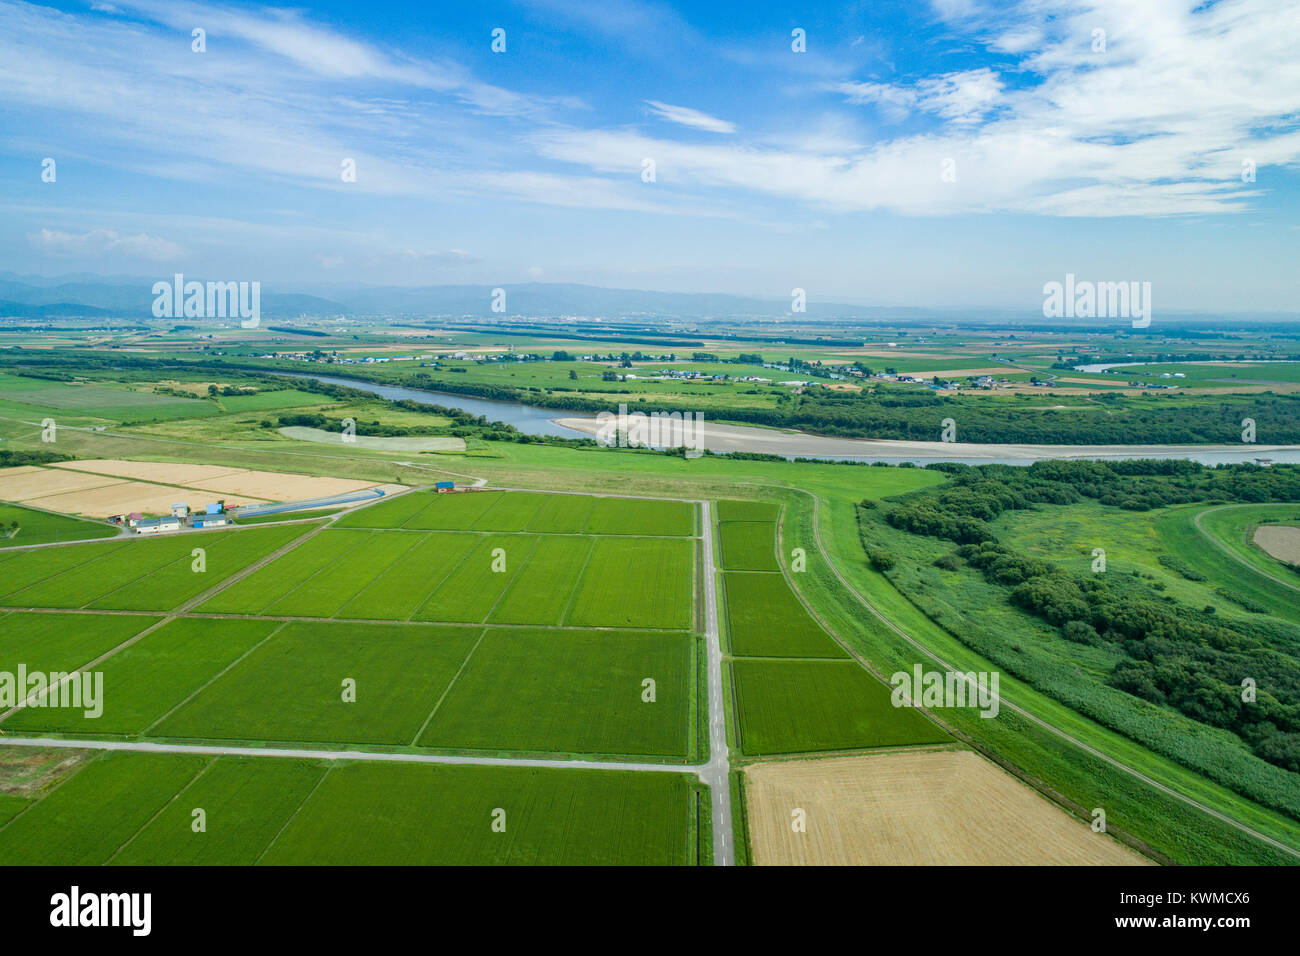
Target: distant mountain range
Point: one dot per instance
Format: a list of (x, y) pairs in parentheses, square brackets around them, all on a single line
[(131, 298)]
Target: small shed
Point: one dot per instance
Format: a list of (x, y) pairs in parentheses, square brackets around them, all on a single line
[(216, 509), (444, 486)]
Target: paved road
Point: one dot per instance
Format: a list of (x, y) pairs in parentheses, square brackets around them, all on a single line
[(717, 772)]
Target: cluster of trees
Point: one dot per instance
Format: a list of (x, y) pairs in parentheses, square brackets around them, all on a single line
[(11, 458), (1182, 657)]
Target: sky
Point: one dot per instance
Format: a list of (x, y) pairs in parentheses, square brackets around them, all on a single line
[(945, 153)]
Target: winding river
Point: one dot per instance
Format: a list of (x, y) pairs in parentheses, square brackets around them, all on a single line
[(565, 423)]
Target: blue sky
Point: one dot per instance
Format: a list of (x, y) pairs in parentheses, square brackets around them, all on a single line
[(1115, 155)]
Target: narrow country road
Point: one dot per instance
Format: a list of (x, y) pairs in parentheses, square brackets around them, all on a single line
[(717, 772)]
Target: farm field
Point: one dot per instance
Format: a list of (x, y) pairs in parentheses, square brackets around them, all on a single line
[(1281, 542), (133, 574), (527, 511), (804, 706), (914, 808), (748, 545), (765, 619), (41, 527), (469, 578), (137, 809)]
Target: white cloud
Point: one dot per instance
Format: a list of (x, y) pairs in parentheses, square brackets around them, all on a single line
[(685, 116), (101, 242)]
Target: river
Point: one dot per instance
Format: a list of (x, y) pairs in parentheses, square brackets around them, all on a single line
[(534, 420)]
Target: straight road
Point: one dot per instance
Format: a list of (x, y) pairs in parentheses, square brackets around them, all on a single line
[(717, 772)]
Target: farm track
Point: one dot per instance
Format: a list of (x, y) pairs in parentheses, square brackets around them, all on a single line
[(1223, 549)]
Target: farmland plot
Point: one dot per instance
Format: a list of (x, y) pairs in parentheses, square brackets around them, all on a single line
[(578, 692), (292, 687), (635, 582), (748, 545), (765, 619), (793, 707)]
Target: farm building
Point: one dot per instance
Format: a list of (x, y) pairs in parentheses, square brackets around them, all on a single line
[(180, 510), (158, 525), (444, 486), (211, 521)]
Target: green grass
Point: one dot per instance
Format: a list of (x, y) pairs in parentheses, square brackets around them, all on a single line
[(572, 692), (635, 582), (245, 802), (748, 545), (140, 574), (634, 516), (41, 527), (540, 593), (138, 809), (797, 707), (470, 592), (285, 398), (291, 687), (152, 676), (730, 509), (62, 642), (562, 514), (400, 590), (765, 619), (364, 814), (86, 819)]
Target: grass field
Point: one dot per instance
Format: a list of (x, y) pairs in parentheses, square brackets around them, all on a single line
[(42, 527), (797, 707), (525, 511), (154, 574), (140, 809), (748, 545), (765, 619)]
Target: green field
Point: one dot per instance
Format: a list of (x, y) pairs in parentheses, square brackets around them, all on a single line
[(796, 707), (526, 511), (43, 527), (765, 619), (748, 545), (140, 809), (136, 574), (576, 692)]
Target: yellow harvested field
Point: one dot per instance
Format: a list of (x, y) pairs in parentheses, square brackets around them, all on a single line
[(1280, 541), (98, 488), (274, 486), (39, 482), (918, 808), (122, 497), (168, 472)]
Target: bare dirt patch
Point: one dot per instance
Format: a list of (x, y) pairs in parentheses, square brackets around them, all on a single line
[(916, 808), (26, 771), (1279, 541)]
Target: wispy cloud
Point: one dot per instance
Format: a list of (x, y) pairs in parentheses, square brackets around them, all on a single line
[(685, 116)]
